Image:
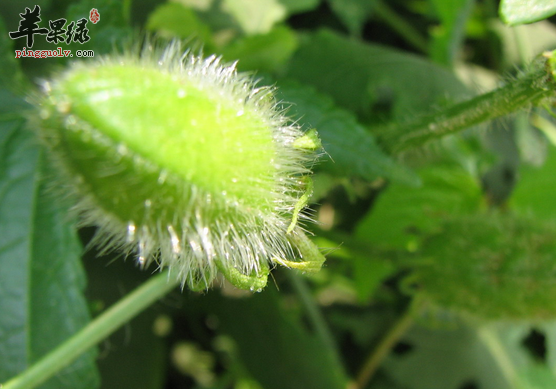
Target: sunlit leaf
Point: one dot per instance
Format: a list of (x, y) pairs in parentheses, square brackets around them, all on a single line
[(515, 12)]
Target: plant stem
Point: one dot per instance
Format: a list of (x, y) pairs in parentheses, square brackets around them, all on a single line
[(532, 87), (379, 353), (401, 26), (315, 315), (94, 332), (492, 342)]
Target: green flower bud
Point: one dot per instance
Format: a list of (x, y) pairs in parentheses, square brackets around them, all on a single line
[(179, 159)]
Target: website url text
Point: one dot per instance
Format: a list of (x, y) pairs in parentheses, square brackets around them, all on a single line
[(53, 53)]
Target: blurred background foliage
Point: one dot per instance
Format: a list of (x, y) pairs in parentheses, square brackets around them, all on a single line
[(441, 269)]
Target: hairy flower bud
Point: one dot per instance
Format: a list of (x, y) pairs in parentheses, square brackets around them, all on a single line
[(179, 159)]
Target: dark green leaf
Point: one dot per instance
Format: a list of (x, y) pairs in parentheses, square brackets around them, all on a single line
[(402, 216), (135, 356), (357, 75), (368, 274), (276, 349), (351, 150), (10, 73), (352, 13), (41, 281), (111, 31), (534, 193), (297, 6), (266, 53), (515, 12)]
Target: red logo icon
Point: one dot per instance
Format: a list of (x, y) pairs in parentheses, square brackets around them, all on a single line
[(94, 16)]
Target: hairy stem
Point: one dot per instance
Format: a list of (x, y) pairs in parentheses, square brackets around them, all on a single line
[(104, 325), (530, 88)]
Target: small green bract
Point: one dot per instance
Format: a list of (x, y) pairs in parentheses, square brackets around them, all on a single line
[(183, 161)]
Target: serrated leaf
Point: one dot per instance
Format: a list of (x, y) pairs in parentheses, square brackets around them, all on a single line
[(515, 12), (357, 75), (41, 281), (402, 216), (267, 52), (351, 150)]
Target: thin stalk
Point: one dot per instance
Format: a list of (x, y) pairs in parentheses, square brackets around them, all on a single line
[(401, 26), (491, 340), (104, 325), (531, 88), (315, 315), (381, 351)]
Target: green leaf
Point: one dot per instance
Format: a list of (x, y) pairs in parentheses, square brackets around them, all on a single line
[(402, 216), (112, 30), (490, 266), (10, 73), (351, 150), (41, 281), (448, 36), (267, 52), (454, 355), (256, 17), (368, 274), (357, 75), (524, 44), (537, 376), (176, 21), (141, 342), (275, 347), (297, 6), (515, 12), (548, 328), (534, 193), (352, 13)]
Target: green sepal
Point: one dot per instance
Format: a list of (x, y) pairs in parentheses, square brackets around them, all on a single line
[(199, 283), (253, 282), (310, 141), (312, 257), (301, 203)]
